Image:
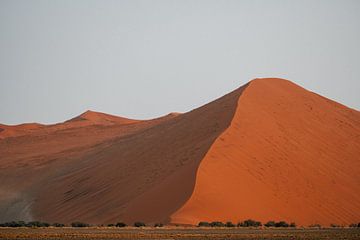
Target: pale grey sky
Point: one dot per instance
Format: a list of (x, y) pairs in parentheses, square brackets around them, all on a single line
[(143, 59)]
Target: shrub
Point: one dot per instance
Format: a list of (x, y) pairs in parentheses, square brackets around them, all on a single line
[(139, 224), (204, 224), (270, 224), (281, 224), (292, 225), (13, 224), (354, 225), (334, 225), (37, 224), (217, 224), (111, 225), (58, 225), (249, 223), (120, 224), (158, 225), (229, 224), (79, 224)]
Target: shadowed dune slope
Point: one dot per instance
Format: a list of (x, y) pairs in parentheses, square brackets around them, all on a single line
[(100, 173), (288, 154)]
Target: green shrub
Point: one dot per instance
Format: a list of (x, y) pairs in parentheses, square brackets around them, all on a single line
[(37, 224), (270, 224), (79, 224), (158, 225), (13, 224), (120, 224), (249, 223), (292, 225), (217, 224), (281, 224), (111, 225), (139, 224), (204, 224), (229, 224)]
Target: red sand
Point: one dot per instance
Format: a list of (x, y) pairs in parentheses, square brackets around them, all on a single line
[(269, 151)]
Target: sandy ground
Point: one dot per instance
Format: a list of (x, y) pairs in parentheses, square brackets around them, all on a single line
[(178, 233)]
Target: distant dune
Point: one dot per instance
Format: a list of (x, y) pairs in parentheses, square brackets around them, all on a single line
[(269, 150)]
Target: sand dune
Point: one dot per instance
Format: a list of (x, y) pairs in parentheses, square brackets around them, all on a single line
[(269, 150)]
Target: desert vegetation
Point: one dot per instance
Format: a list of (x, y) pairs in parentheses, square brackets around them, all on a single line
[(354, 225), (248, 223), (120, 224), (25, 224), (139, 224), (80, 224)]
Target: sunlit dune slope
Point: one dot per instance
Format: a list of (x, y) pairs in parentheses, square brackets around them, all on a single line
[(288, 154)]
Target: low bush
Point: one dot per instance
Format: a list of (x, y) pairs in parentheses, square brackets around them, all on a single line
[(354, 225), (139, 224), (249, 223), (203, 224), (158, 225), (79, 224), (217, 224), (281, 224), (37, 224), (229, 224), (13, 224), (270, 224), (120, 224)]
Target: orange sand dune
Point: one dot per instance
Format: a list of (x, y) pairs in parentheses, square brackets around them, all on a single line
[(269, 150), (288, 154), (17, 130)]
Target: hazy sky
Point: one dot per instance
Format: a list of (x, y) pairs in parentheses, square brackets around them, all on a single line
[(143, 59)]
